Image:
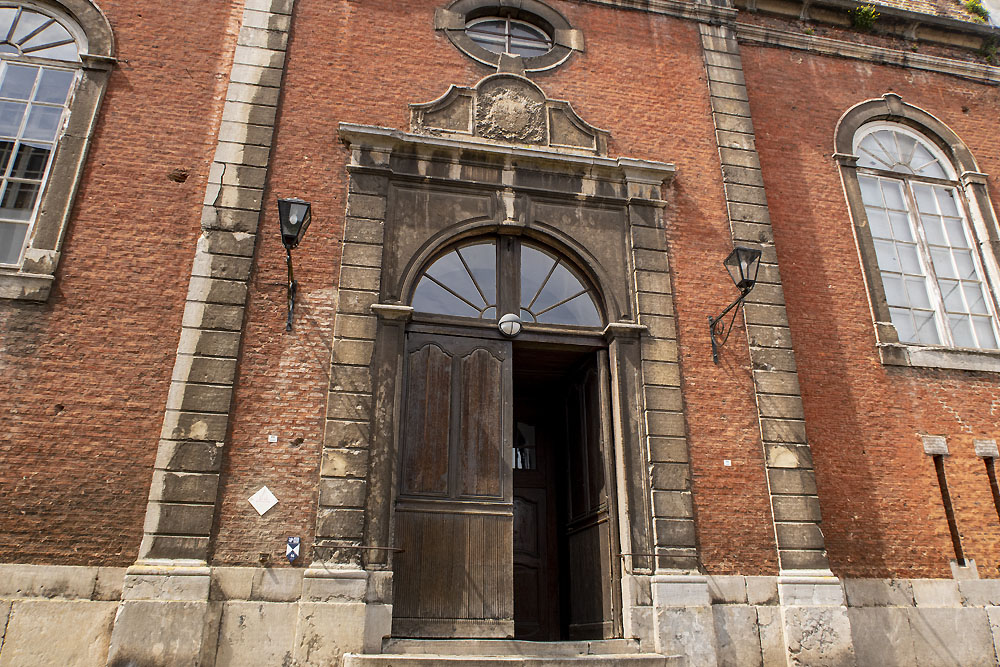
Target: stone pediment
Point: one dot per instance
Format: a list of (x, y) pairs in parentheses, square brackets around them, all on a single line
[(507, 109)]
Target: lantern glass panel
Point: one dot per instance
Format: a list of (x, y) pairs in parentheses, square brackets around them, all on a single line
[(294, 216), (742, 264)]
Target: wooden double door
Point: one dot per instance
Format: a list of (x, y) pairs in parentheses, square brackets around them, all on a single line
[(504, 511)]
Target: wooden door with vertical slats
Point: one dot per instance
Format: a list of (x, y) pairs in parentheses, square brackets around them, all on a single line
[(454, 512)]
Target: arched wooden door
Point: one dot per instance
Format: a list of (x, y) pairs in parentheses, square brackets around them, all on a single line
[(454, 513)]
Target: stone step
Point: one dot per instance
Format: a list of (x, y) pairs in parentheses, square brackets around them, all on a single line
[(510, 647), (428, 660)]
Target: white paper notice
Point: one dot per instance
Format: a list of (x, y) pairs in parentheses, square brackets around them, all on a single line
[(263, 500)]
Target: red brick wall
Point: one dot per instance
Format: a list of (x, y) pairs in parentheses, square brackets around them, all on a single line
[(85, 375), (362, 63), (880, 499)]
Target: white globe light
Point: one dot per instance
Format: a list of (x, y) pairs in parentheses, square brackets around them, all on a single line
[(510, 325)]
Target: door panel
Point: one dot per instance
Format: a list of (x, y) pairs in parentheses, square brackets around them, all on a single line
[(454, 516)]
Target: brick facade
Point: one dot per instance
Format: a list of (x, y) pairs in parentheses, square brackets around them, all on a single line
[(156, 388)]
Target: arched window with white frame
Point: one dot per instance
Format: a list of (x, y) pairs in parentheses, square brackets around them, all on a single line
[(55, 59), (924, 226), (931, 271)]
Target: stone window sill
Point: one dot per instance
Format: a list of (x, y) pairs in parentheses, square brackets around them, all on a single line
[(22, 286), (929, 356)]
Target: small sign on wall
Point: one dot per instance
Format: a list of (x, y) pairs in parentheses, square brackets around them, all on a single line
[(263, 500)]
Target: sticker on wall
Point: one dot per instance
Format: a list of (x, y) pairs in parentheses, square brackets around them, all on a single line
[(292, 549), (263, 500)]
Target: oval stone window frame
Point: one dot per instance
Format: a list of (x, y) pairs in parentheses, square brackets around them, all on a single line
[(565, 38)]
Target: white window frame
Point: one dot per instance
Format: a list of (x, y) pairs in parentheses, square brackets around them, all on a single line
[(919, 233), (981, 223), (32, 277)]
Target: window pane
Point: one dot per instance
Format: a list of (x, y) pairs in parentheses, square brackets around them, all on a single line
[(904, 325), (6, 19), (974, 298), (886, 253), (6, 150), (492, 27), (984, 332), (870, 193), (429, 297), (450, 272), (561, 285), (894, 290), (908, 259), (925, 164), (925, 199), (11, 114), (27, 24), (893, 192), (926, 330), (951, 291), (942, 263), (878, 222), (966, 266), (528, 51), (580, 311), (961, 331), (54, 86), (43, 123), (956, 232), (934, 230), (916, 291), (52, 34), (482, 261), (61, 52), (901, 226), (31, 161), (18, 81), (946, 199), (535, 266), (18, 201), (11, 239), (527, 32)]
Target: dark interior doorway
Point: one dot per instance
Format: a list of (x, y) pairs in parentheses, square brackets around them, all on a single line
[(564, 566)]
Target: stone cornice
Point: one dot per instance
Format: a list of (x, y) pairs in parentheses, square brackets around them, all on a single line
[(755, 34)]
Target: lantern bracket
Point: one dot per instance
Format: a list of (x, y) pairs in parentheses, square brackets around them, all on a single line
[(742, 265)]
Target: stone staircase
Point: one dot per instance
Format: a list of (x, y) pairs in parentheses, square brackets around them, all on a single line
[(503, 652)]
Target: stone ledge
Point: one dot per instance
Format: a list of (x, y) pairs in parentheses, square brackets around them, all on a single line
[(926, 356)]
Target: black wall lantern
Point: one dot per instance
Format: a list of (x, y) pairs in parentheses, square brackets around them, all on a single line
[(742, 264), (294, 215)]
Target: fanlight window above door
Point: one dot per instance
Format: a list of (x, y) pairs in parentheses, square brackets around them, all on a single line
[(464, 282)]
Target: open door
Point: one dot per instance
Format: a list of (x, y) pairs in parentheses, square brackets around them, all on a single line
[(454, 516)]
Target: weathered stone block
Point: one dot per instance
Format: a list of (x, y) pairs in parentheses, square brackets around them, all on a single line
[(174, 547), (649, 238), (108, 586), (341, 434), (742, 175), (57, 632), (340, 523), (349, 407), (951, 636), (189, 456), (325, 631), (668, 450), (360, 277), (46, 581), (276, 585), (733, 123), (671, 476), (220, 242), (362, 230), (878, 593), (355, 302), (770, 336), (775, 382), (342, 492), (675, 532), (797, 508), (252, 55), (762, 590), (737, 636), (655, 304), (782, 407), (772, 637), (980, 592), (935, 593), (727, 589), (366, 206), (664, 398), (204, 369), (659, 349), (818, 636), (352, 379), (652, 281), (210, 343), (787, 456), (186, 487), (163, 632), (773, 359), (725, 75), (688, 631), (253, 114), (214, 290), (665, 424), (175, 519), (344, 463), (360, 254), (672, 505), (783, 430), (792, 481), (803, 559), (733, 91), (352, 352), (256, 633), (882, 636), (231, 583), (199, 397), (194, 426), (799, 536)]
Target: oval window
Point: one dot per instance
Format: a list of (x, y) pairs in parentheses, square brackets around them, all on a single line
[(506, 35)]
